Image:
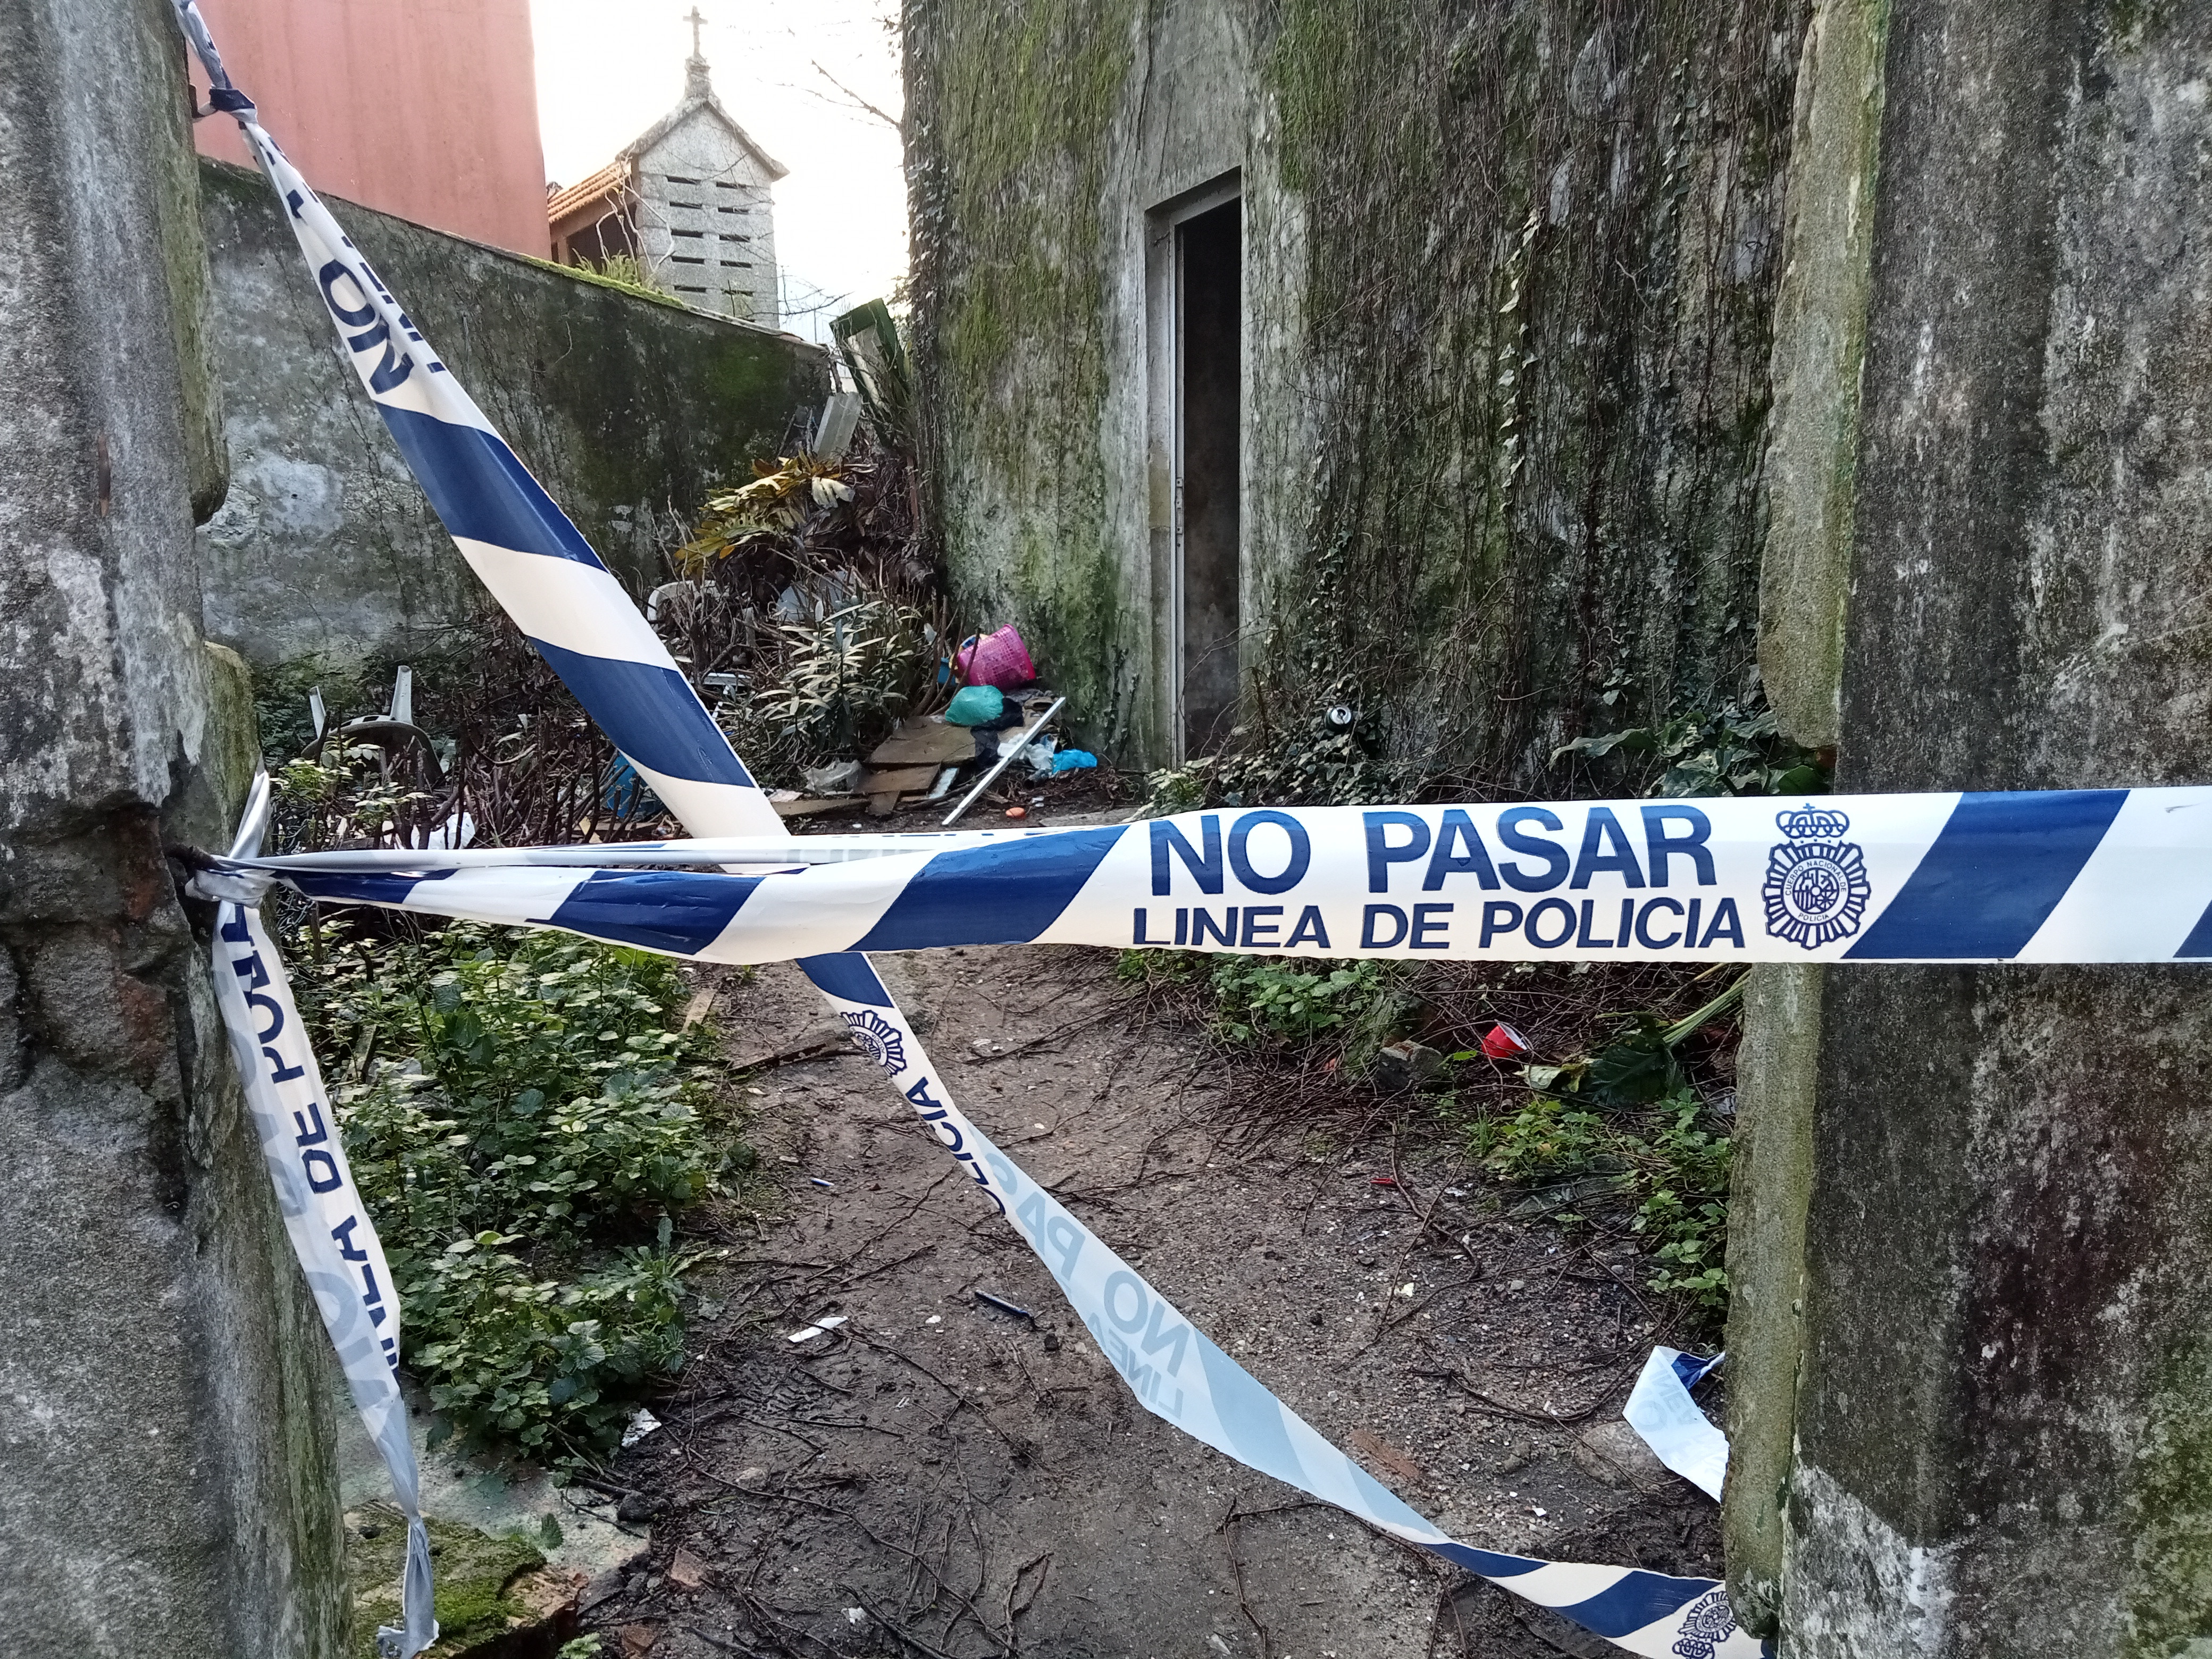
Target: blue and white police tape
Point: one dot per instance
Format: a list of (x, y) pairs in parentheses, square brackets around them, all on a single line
[(2079, 875), (1175, 1371), (1660, 1410), (1180, 1374), (328, 1225)]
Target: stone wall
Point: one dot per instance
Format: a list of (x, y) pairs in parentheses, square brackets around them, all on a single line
[(1975, 1420), (1509, 272), (169, 1477), (626, 407)]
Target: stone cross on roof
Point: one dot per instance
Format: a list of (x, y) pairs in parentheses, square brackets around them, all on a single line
[(695, 67)]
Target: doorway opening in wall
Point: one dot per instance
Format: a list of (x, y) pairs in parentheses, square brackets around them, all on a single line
[(1199, 273)]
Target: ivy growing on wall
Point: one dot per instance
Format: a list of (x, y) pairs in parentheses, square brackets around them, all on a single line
[(1010, 132), (1540, 301)]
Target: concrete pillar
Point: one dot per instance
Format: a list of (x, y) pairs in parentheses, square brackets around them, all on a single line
[(2000, 1408), (166, 1477), (1810, 479)]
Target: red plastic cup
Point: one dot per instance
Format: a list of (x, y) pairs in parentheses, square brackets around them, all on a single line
[(1501, 1041)]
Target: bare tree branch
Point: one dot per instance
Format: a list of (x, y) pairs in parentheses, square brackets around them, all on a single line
[(891, 121)]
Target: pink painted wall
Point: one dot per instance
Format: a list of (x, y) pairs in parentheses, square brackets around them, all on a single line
[(423, 108)]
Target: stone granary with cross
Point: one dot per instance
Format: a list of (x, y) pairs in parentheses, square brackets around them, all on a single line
[(687, 198)]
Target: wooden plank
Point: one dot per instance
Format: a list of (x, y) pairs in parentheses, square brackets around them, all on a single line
[(828, 1039), (807, 809), (923, 743), (881, 806), (897, 780)]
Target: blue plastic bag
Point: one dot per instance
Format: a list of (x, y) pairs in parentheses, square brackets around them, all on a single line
[(626, 794), (1073, 760)]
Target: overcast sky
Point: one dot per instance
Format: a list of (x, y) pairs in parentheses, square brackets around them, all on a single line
[(607, 70)]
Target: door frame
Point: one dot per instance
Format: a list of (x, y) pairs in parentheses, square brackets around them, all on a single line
[(1164, 424)]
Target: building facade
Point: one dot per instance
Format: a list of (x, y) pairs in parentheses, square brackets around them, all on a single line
[(689, 198), (1228, 319), (424, 109)]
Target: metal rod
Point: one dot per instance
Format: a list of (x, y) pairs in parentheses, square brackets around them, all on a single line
[(1000, 1303), (1005, 760)]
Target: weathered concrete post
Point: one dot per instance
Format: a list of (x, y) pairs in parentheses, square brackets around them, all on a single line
[(1977, 1418), (165, 1481)]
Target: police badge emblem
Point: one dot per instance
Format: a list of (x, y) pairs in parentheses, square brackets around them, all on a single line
[(878, 1039), (1816, 888), (1705, 1627)]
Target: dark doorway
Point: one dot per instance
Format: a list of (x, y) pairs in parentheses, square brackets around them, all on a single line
[(1209, 413)]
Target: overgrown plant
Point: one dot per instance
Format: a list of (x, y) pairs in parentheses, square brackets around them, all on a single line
[(626, 270), (1686, 1170), (1352, 1006), (1670, 1162), (524, 1116), (849, 677), (778, 500), (1734, 750), (1547, 1139), (1329, 758), (1332, 1012)]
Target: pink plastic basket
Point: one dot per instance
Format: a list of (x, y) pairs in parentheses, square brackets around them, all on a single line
[(999, 659)]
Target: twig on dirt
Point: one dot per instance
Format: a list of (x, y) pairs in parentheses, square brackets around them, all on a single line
[(1028, 1045), (968, 1608), (758, 1609), (1273, 1508), (1013, 1587), (837, 1423), (1404, 1191), (1607, 1268), (1389, 1323), (874, 1537), (961, 1399), (723, 1642), (900, 1633), (902, 1218), (1484, 1402), (815, 1045), (597, 1484), (1228, 1526), (884, 1268)]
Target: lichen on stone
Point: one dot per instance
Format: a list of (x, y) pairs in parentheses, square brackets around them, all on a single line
[(474, 1574)]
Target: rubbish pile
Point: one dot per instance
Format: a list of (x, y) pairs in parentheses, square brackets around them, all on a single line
[(1000, 719), (807, 608)]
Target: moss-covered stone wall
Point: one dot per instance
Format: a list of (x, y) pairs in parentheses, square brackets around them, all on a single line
[(627, 408), (167, 1477), (1508, 273), (1998, 1440)]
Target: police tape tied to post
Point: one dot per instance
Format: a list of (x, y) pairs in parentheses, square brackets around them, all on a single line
[(2087, 876)]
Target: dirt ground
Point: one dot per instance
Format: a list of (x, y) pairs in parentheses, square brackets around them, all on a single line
[(940, 1478)]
